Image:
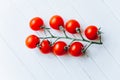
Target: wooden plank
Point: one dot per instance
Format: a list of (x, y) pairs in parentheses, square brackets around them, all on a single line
[(92, 15), (101, 62), (11, 67), (113, 7), (31, 61)]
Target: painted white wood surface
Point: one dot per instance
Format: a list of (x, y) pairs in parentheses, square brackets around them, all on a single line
[(17, 62)]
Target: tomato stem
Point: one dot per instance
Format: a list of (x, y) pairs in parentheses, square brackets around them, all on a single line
[(65, 33), (62, 29), (100, 39), (79, 31), (50, 33), (56, 40), (75, 39), (99, 33), (47, 29), (85, 49), (72, 39)]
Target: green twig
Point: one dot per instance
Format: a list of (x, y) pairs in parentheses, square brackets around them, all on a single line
[(79, 31), (62, 29), (75, 39), (85, 49)]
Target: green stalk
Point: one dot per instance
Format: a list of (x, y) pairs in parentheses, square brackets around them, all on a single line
[(62, 29), (79, 31), (84, 50), (47, 29), (72, 39)]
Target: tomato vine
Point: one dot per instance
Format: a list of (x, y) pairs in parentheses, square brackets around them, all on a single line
[(75, 48)]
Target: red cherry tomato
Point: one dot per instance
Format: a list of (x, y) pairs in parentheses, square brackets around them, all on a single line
[(36, 23), (45, 46), (91, 32), (32, 41), (72, 25), (76, 49), (56, 21), (59, 48)]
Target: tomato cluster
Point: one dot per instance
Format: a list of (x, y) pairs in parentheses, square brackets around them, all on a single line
[(75, 48)]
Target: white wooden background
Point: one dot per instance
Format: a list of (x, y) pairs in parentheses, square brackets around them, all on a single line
[(17, 62)]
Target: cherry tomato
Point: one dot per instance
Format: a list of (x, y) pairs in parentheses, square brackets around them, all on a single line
[(32, 41), (56, 21), (91, 32), (45, 46), (59, 48), (72, 25), (76, 49), (36, 23)]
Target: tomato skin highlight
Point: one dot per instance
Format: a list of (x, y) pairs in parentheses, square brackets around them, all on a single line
[(76, 49), (32, 41), (91, 32), (36, 23), (59, 48), (56, 21), (45, 47), (72, 25)]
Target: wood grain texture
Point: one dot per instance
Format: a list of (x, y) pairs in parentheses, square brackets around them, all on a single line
[(17, 62)]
